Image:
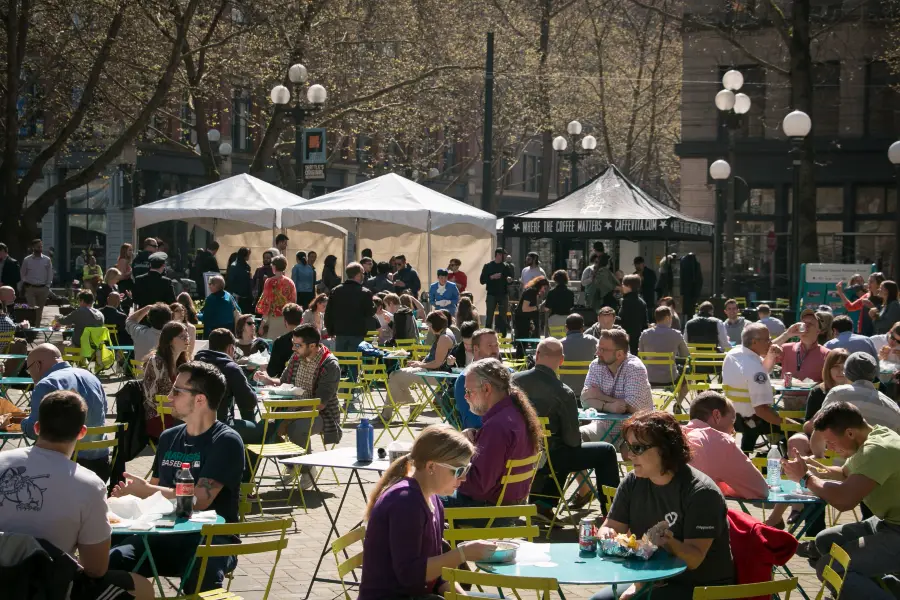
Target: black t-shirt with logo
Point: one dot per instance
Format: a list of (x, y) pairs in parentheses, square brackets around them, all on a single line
[(694, 508), (217, 454)]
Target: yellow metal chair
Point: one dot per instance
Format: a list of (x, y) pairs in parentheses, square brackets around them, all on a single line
[(713, 360), (575, 367), (558, 332), (351, 362), (830, 576), (456, 533), (701, 348), (247, 546), (516, 364), (561, 504), (113, 333), (273, 412), (352, 563), (749, 590), (72, 355), (682, 417), (530, 465), (372, 336), (245, 504), (348, 391), (662, 399), (741, 302), (610, 493), (6, 340), (137, 368), (406, 343), (736, 395), (661, 359), (371, 377), (542, 586), (199, 327), (104, 442), (792, 420)]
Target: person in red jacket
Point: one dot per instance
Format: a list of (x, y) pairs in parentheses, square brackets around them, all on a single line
[(457, 276)]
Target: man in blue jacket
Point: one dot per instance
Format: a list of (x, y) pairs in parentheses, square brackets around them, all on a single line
[(484, 345), (406, 278)]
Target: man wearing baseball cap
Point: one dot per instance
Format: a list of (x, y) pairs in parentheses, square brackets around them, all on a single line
[(153, 286)]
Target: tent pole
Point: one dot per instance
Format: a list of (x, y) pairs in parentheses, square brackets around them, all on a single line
[(429, 251), (356, 253)]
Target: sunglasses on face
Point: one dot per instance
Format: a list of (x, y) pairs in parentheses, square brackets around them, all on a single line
[(895, 338), (458, 472), (638, 449)]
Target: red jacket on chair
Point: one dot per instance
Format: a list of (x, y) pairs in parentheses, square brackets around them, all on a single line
[(756, 548)]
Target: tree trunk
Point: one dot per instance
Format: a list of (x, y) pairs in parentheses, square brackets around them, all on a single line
[(802, 99), (544, 99)]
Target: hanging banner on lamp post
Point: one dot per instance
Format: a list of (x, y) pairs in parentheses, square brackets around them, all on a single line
[(314, 154)]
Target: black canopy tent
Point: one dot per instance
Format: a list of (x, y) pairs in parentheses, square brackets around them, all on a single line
[(608, 206)]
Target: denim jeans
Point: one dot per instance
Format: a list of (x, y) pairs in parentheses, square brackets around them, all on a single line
[(501, 304), (599, 456)]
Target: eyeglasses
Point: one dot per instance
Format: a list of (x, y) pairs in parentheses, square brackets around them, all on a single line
[(470, 392), (458, 472), (893, 337), (638, 449), (178, 390)]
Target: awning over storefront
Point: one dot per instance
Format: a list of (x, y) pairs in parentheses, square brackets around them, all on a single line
[(609, 207)]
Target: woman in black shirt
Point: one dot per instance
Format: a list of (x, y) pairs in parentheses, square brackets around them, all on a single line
[(560, 300), (528, 311), (664, 487)]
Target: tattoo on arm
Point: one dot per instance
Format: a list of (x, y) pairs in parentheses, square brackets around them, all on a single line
[(206, 491)]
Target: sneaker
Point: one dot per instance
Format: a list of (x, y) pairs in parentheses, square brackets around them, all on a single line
[(306, 481), (808, 550), (290, 472), (581, 501)]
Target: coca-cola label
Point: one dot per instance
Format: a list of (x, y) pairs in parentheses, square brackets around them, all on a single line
[(184, 489)]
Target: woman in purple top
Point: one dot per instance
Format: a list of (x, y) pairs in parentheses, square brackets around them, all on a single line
[(403, 552), (510, 430)]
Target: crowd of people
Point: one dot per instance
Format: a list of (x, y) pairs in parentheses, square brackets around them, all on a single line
[(681, 472)]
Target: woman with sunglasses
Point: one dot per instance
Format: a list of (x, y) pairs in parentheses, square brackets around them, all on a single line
[(664, 487), (403, 552), (160, 371)]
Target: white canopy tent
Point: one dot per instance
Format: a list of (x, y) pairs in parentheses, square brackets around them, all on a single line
[(393, 215), (243, 211)]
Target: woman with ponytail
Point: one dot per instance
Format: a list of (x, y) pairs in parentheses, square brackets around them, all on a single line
[(403, 553), (510, 431)]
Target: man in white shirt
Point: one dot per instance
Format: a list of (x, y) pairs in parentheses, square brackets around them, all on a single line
[(51, 498), (746, 368), (37, 275), (532, 268)]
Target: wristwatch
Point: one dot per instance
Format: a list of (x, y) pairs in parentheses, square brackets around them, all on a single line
[(804, 480)]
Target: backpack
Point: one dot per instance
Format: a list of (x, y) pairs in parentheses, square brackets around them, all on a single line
[(130, 410), (404, 325)]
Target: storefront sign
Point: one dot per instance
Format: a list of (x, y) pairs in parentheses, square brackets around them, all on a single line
[(608, 227), (314, 172)]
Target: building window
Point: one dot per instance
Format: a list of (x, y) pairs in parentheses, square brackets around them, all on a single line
[(757, 202), (827, 88), (876, 200), (875, 243), (240, 121), (829, 200), (882, 101), (831, 241)]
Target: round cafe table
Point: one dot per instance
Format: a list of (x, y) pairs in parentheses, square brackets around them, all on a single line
[(569, 566), (182, 527)]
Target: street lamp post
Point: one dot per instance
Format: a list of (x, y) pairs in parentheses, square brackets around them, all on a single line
[(720, 171), (221, 151), (300, 111), (733, 104), (588, 145), (796, 125), (894, 157)]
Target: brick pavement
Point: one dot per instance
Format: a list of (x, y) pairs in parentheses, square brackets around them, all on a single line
[(307, 538)]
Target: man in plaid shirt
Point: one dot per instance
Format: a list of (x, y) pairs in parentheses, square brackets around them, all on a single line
[(7, 298), (616, 383)]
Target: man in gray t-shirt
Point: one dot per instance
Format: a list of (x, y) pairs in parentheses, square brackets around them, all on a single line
[(83, 316)]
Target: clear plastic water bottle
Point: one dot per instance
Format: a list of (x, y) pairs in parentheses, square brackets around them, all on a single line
[(773, 467)]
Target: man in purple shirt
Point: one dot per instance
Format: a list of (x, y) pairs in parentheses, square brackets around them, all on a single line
[(510, 430)]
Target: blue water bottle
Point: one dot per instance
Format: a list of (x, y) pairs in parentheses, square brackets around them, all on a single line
[(365, 441)]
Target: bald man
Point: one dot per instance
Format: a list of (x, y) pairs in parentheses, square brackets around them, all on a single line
[(7, 299), (556, 401), (51, 373)]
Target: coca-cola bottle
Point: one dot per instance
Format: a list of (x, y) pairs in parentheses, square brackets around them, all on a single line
[(184, 492)]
